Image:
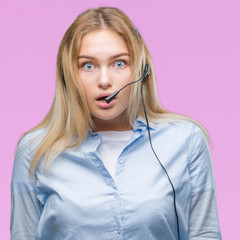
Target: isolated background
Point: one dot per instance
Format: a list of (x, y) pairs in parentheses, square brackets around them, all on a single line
[(195, 45)]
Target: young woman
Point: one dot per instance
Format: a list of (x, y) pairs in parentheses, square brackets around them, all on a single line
[(98, 170)]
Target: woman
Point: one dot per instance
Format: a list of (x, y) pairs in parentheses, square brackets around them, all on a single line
[(87, 171)]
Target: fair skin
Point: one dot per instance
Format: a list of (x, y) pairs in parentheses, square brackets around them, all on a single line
[(104, 67)]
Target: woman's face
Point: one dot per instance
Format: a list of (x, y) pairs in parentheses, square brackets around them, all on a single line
[(104, 67)]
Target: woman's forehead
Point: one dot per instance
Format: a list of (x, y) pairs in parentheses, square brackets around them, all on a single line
[(102, 42)]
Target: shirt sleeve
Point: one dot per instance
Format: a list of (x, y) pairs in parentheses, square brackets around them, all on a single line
[(203, 215), (25, 207)]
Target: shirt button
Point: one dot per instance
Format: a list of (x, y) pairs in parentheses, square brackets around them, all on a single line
[(121, 160), (119, 230)]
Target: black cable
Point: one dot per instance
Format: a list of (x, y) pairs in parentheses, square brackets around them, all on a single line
[(113, 95), (150, 141)]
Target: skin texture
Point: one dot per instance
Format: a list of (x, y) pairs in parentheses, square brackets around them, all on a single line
[(102, 72)]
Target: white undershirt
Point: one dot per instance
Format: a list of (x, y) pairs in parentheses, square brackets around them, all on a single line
[(111, 147)]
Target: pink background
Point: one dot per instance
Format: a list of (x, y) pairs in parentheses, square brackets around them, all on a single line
[(195, 45)]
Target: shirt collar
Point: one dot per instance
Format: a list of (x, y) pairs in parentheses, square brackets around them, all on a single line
[(140, 123)]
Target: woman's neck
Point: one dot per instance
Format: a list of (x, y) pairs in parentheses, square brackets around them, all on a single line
[(110, 125)]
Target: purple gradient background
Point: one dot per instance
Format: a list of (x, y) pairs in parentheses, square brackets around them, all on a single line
[(195, 46)]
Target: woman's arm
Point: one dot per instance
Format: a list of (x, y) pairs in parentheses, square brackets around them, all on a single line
[(203, 215), (25, 207)]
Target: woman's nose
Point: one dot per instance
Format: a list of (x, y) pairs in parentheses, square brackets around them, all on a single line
[(104, 80)]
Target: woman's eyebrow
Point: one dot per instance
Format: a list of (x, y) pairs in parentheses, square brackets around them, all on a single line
[(112, 57)]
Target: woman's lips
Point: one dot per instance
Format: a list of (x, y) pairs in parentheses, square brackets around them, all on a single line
[(102, 103)]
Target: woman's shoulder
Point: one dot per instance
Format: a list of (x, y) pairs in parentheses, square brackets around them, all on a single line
[(23, 156), (184, 125), (24, 153), (175, 124), (181, 127), (29, 141)]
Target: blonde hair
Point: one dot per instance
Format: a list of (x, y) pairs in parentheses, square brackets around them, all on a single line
[(67, 123)]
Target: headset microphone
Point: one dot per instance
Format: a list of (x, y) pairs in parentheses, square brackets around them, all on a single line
[(113, 95)]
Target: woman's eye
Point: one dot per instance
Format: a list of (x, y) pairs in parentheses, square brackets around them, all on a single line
[(120, 64), (88, 66)]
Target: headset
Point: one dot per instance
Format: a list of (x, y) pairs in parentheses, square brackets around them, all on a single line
[(112, 96)]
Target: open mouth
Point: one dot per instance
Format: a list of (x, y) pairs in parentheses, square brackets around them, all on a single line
[(101, 99)]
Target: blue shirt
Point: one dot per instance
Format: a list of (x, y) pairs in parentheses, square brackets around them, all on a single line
[(80, 200)]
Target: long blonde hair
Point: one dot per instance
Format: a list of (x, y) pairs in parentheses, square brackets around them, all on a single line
[(67, 123)]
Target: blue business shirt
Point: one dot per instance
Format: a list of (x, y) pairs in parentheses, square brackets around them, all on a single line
[(80, 199)]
